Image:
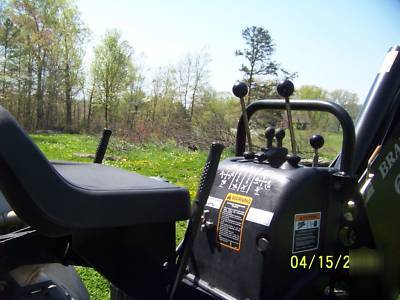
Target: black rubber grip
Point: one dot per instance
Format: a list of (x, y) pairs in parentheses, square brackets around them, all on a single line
[(102, 147), (209, 170), (205, 185)]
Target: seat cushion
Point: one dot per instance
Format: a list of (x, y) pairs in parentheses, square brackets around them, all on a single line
[(141, 199), (100, 177)]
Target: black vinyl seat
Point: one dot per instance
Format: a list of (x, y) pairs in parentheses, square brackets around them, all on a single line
[(57, 198)]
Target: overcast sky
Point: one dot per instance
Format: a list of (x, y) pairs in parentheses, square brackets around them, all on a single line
[(331, 44)]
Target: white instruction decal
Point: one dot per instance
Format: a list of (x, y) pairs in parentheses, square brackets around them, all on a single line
[(259, 216), (306, 232), (214, 202)]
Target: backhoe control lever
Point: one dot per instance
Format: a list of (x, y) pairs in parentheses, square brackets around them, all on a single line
[(316, 141), (102, 147), (206, 182), (275, 156), (240, 90), (285, 89), (269, 135)]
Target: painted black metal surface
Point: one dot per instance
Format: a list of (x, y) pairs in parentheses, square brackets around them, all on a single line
[(380, 106), (381, 192), (247, 237)]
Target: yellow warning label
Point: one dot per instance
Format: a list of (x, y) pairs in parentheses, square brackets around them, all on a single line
[(239, 198), (231, 218)]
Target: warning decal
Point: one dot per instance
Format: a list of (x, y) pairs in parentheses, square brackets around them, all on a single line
[(230, 220), (306, 231)]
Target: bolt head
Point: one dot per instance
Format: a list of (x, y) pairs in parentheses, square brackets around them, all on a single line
[(347, 236), (262, 244), (350, 212), (348, 216)]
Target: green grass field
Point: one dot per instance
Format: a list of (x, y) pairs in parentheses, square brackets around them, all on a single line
[(179, 166)]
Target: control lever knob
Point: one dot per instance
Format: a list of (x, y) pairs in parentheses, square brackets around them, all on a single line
[(316, 141), (285, 89), (279, 135), (269, 135), (240, 89)]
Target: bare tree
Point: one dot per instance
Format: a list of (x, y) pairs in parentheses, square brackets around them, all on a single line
[(184, 73), (110, 67), (192, 78)]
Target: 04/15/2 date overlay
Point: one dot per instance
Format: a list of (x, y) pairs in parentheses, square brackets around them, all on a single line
[(320, 261)]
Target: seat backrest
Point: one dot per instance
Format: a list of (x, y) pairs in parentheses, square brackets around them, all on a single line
[(25, 175)]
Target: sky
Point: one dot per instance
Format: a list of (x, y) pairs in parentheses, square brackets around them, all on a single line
[(332, 44)]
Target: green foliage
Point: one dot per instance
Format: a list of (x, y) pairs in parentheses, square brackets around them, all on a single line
[(346, 99), (259, 63), (215, 120), (42, 82), (66, 146), (310, 92), (110, 70), (96, 284), (258, 52), (42, 49), (324, 121)]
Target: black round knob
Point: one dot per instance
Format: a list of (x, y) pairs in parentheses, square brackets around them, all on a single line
[(285, 88), (270, 132), (269, 135), (240, 89), (317, 141)]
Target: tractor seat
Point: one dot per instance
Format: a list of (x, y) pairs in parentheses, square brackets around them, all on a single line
[(57, 198)]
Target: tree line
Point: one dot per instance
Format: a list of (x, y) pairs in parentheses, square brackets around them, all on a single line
[(45, 84)]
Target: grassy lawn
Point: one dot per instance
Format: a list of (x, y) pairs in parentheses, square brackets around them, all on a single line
[(179, 166)]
